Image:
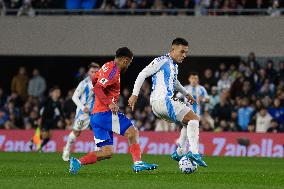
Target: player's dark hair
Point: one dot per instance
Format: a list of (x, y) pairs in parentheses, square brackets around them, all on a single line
[(93, 65), (193, 74), (123, 52), (180, 41)]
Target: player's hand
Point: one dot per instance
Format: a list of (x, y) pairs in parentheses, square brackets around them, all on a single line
[(114, 108), (86, 110), (132, 101), (190, 99), (199, 99)]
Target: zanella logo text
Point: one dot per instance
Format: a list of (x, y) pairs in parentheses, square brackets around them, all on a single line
[(266, 148)]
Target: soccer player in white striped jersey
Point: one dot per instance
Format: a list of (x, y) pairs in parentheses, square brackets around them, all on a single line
[(200, 96), (164, 72), (84, 99)]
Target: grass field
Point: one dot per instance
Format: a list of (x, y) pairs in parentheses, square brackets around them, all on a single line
[(40, 170)]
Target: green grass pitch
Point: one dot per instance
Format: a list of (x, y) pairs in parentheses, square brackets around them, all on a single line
[(47, 170)]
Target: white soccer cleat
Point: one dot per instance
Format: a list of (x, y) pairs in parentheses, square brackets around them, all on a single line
[(66, 155)]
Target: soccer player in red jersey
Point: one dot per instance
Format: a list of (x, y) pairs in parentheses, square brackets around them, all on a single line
[(106, 118)]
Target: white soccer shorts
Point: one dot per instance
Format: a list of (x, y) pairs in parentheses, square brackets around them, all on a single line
[(82, 121), (170, 109)]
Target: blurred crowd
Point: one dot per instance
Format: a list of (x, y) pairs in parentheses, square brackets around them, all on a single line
[(248, 96), (199, 7)]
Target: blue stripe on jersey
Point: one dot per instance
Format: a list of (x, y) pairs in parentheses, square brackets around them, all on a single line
[(202, 92), (112, 73), (154, 81), (79, 113), (170, 108), (87, 91), (167, 74), (92, 103), (175, 76), (194, 106)]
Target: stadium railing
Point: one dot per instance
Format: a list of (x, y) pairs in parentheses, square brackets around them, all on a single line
[(190, 12)]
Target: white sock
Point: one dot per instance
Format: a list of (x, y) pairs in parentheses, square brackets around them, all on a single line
[(71, 139), (182, 141), (193, 135)]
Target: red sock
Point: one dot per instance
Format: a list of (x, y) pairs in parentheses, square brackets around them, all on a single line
[(135, 150), (90, 158)]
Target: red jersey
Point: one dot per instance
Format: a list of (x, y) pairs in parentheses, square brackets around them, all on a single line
[(109, 78)]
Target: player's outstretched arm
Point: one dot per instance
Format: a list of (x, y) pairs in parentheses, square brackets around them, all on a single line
[(181, 89), (149, 70), (76, 97)]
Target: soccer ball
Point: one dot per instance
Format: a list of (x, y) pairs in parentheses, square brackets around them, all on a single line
[(187, 166)]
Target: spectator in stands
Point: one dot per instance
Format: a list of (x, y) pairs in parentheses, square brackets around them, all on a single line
[(222, 110), (274, 9), (246, 90), (222, 69), (267, 89), (207, 121), (281, 72), (31, 121), (277, 112), (271, 72), (108, 4), (14, 97), (233, 72), (260, 78), (274, 127), (208, 80), (81, 74), (251, 127), (214, 99), (37, 85), (237, 86), (69, 105), (4, 117), (244, 114), (2, 98), (123, 102), (252, 63), (2, 8), (206, 126), (13, 111), (20, 82), (81, 4), (222, 127), (26, 9), (263, 119), (233, 122), (224, 83)]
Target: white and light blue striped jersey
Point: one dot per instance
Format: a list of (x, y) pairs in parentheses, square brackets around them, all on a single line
[(196, 92), (84, 95), (164, 73)]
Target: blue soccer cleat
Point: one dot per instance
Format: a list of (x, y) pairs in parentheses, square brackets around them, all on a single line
[(196, 158), (75, 165), (175, 156), (141, 166)]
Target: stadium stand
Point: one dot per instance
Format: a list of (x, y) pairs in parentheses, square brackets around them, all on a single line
[(142, 7), (245, 97)]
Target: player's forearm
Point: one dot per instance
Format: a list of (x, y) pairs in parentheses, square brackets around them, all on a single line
[(138, 83), (181, 89), (77, 101), (98, 90)]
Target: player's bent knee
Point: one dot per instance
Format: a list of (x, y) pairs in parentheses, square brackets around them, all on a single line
[(190, 116), (131, 132)]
